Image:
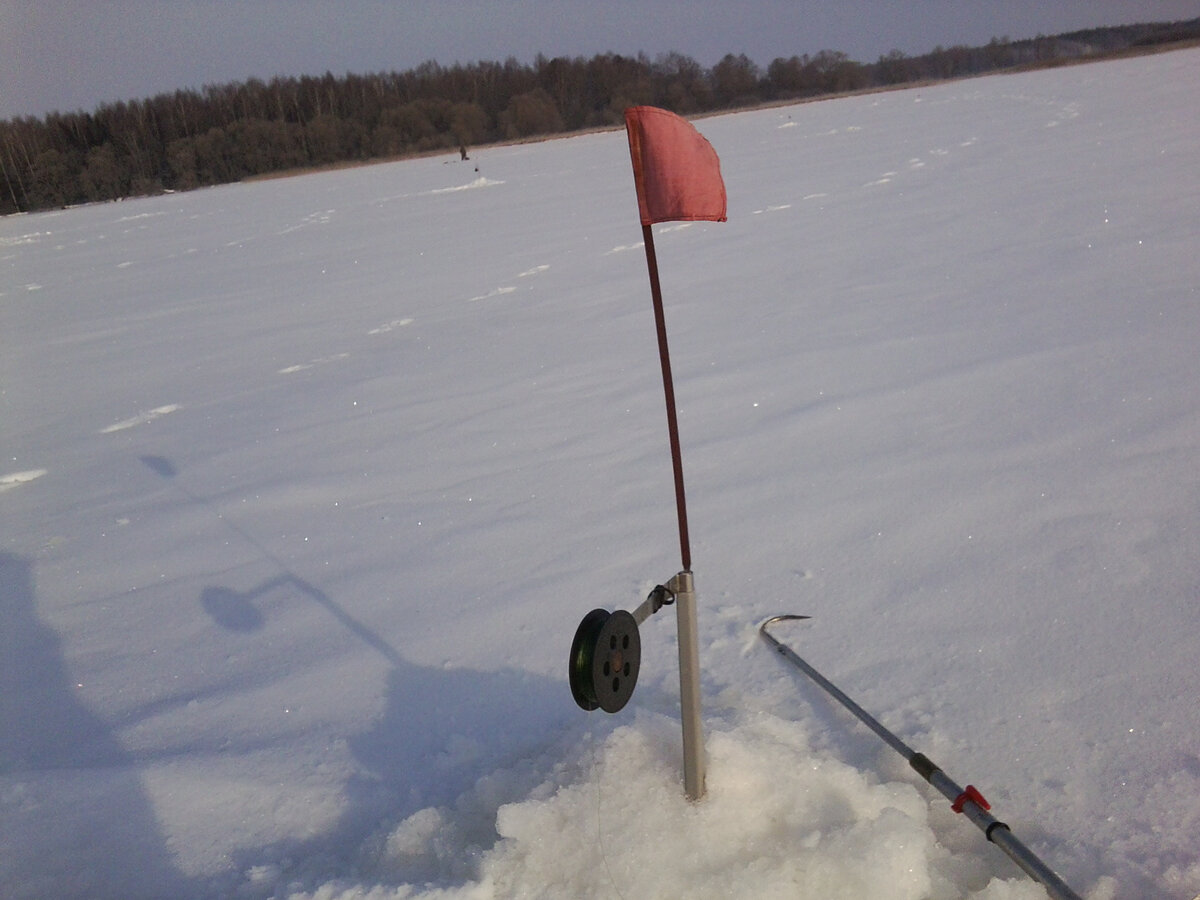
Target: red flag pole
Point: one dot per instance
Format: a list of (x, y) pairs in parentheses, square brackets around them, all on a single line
[(682, 585), (664, 356)]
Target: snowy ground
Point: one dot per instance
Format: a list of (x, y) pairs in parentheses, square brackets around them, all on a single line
[(305, 485)]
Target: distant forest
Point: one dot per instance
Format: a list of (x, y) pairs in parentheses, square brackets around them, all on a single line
[(229, 132)]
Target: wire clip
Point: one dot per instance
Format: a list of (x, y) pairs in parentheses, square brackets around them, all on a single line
[(972, 794)]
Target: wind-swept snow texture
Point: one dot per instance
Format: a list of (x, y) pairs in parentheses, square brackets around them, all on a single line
[(305, 485)]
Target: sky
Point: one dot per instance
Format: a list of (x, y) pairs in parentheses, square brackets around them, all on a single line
[(68, 55)]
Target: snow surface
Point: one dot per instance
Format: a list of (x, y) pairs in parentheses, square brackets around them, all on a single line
[(306, 483)]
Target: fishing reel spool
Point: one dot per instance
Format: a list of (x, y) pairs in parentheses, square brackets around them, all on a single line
[(607, 650), (605, 657)]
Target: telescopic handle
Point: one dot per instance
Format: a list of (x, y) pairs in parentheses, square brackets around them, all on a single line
[(967, 801)]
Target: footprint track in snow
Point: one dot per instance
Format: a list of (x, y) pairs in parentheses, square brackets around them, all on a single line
[(622, 248), (142, 418), (323, 217), (319, 361), (390, 326), (496, 292), (912, 164), (509, 289), (15, 479)]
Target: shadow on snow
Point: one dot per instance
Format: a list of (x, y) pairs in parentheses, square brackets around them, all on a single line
[(75, 819)]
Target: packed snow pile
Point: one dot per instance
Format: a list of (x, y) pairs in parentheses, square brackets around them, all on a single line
[(610, 821), (305, 485)]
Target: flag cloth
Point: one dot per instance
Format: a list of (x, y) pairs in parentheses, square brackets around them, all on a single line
[(676, 171)]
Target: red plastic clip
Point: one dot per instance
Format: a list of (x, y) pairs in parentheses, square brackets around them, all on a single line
[(972, 794)]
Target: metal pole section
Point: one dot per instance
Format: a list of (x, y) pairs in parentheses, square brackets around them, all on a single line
[(664, 356), (968, 802), (681, 591), (689, 685)]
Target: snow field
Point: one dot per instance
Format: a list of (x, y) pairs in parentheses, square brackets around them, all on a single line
[(305, 485)]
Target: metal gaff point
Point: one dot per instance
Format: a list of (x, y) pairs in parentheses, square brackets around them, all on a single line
[(967, 801)]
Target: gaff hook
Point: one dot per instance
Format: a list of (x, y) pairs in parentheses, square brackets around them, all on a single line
[(967, 801)]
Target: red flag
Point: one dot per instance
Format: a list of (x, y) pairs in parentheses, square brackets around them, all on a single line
[(676, 171)]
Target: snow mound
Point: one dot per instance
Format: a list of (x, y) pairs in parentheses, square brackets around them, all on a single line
[(611, 820)]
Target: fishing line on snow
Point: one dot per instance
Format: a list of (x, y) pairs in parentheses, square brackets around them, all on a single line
[(599, 824)]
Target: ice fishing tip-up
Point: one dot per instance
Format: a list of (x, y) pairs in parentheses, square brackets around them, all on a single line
[(606, 655), (677, 177)]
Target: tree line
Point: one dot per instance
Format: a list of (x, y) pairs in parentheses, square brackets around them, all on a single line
[(223, 133)]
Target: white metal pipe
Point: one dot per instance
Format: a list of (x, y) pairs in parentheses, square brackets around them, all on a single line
[(689, 685)]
